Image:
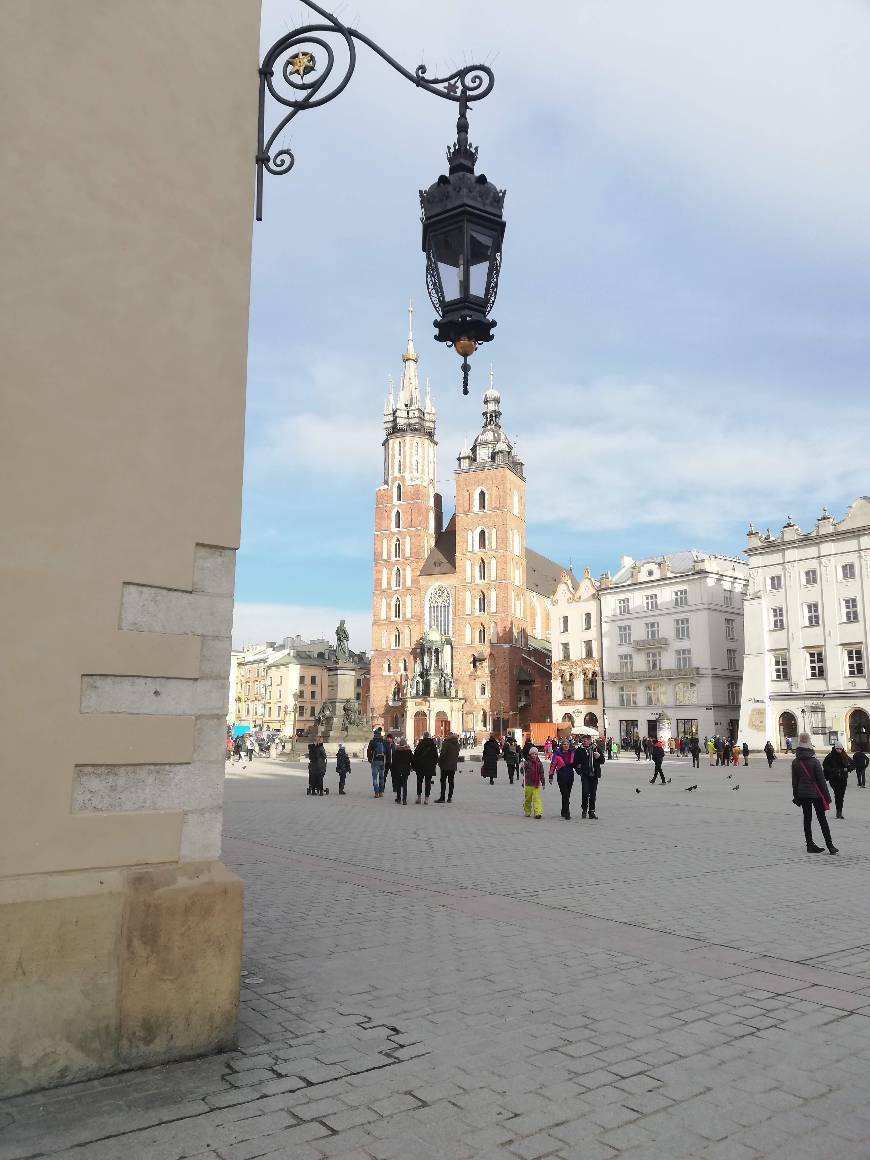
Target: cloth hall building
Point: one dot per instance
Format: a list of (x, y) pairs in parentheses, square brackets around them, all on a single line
[(461, 611)]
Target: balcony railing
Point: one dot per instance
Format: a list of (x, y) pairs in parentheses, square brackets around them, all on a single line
[(653, 674), (651, 642)]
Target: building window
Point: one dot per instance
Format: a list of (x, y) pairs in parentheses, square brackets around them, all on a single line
[(397, 578), (624, 634), (651, 627), (626, 662), (777, 618), (850, 609), (731, 658), (733, 688), (397, 548), (653, 662), (397, 639), (397, 609), (854, 662), (681, 597), (481, 602), (399, 456), (811, 577), (481, 500), (483, 688), (397, 520), (847, 572), (481, 569), (728, 598), (627, 696), (812, 614), (683, 658), (388, 667), (587, 621), (566, 652), (780, 666), (681, 628), (775, 583), (622, 606), (564, 624), (481, 538), (730, 634), (651, 602), (398, 493), (439, 610), (587, 648), (481, 635), (815, 665)]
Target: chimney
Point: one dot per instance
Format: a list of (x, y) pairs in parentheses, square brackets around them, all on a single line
[(624, 561)]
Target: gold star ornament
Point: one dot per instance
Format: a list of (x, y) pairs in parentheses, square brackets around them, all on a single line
[(301, 63)]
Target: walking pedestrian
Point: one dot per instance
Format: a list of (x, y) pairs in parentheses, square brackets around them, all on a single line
[(376, 755), (860, 760), (658, 756), (614, 748), (509, 752), (717, 741), (836, 768), (400, 767), (745, 753), (490, 759), (637, 749), (735, 753), (695, 750), (425, 762), (810, 792), (251, 746), (711, 750), (563, 767), (769, 753), (589, 784), (448, 759), (342, 767), (533, 783), (645, 746)]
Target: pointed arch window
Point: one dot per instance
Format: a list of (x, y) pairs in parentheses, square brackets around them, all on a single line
[(397, 578), (481, 500), (397, 520), (397, 639), (481, 634), (481, 539), (440, 610), (397, 609), (481, 602), (388, 667), (396, 694), (398, 493), (416, 457), (481, 569), (399, 456), (397, 548)]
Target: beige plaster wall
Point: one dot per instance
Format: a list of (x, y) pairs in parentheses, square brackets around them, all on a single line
[(127, 136)]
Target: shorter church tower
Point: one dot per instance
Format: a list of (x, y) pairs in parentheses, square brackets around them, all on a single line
[(408, 520), (491, 611)]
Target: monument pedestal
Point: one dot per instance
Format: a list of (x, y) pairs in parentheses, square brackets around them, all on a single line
[(335, 724)]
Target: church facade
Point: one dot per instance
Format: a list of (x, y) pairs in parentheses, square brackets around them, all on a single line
[(461, 610)]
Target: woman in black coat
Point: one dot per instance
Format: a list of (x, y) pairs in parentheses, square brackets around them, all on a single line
[(836, 766), (425, 762), (401, 770), (490, 758), (810, 792)]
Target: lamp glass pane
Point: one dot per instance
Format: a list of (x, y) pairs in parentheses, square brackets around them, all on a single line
[(480, 249), (449, 250)]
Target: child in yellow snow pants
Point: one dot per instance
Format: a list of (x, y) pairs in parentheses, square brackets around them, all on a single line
[(532, 801), (533, 783)]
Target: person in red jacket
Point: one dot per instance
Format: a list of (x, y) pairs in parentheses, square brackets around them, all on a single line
[(562, 766)]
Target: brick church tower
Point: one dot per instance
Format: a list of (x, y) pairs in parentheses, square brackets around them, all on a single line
[(491, 612), (407, 522)]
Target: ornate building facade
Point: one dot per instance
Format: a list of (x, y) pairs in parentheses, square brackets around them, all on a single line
[(460, 613), (578, 685)]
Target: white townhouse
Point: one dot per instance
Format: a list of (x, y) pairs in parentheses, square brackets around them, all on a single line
[(575, 635), (672, 642), (805, 666)]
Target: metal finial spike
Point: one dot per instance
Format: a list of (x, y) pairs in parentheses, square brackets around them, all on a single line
[(410, 320)]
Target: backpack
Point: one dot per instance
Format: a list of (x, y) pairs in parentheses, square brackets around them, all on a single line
[(378, 747)]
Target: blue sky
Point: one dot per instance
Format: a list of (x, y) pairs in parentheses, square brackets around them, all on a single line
[(683, 336)]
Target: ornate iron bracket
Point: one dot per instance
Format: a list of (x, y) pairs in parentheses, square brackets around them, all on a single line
[(471, 83)]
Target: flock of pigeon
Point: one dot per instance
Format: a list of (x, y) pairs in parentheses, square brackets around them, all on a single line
[(689, 788)]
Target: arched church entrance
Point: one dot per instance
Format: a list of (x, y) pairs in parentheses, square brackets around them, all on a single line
[(442, 724), (858, 730), (787, 728), (591, 721), (421, 723)]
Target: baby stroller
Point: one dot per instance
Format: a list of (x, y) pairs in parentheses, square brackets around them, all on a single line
[(316, 769)]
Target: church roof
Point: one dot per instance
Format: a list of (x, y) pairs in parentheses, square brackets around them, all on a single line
[(542, 575), (441, 561)]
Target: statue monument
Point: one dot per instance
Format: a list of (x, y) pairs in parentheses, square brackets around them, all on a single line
[(342, 638), (339, 719)]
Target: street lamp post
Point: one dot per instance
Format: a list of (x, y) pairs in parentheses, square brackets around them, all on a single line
[(463, 223)]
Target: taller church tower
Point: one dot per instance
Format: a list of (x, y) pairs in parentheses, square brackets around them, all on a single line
[(408, 518)]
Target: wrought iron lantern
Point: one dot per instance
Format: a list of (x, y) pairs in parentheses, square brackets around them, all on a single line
[(463, 228)]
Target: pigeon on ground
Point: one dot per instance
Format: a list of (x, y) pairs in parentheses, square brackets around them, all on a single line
[(669, 781), (689, 788), (729, 776), (733, 787), (637, 790)]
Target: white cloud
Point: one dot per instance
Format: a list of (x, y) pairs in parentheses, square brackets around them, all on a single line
[(256, 623)]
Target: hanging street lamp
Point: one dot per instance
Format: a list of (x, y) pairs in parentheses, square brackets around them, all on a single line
[(463, 227), (462, 217)]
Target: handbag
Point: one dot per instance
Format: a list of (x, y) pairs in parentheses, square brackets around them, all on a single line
[(826, 805)]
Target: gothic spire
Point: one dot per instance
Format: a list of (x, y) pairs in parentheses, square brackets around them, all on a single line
[(409, 388)]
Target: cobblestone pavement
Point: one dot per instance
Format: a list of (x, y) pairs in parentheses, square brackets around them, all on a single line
[(677, 979)]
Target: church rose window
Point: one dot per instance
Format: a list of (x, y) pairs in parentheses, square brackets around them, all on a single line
[(439, 610)]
